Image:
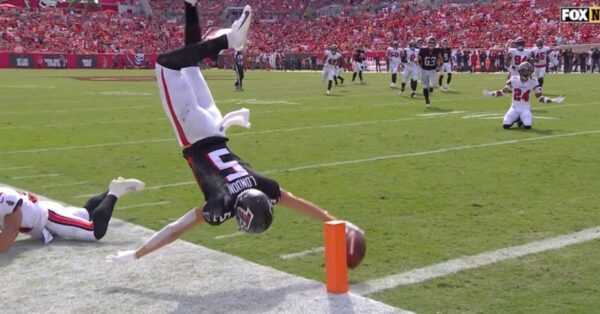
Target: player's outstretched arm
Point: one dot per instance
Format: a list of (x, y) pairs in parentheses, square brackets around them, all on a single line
[(10, 230), (498, 93), (303, 206), (166, 235), (543, 99)]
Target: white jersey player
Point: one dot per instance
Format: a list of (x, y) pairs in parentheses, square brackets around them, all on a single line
[(394, 55), (516, 56), (411, 69), (522, 87), (24, 213), (330, 66), (541, 56)]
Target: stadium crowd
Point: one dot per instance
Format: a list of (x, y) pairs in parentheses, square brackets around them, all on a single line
[(295, 26)]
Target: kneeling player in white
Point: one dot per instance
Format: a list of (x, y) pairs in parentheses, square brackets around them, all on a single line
[(521, 86), (24, 213), (394, 53)]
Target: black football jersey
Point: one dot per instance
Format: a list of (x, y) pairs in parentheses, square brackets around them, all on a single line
[(222, 175), (359, 55), (428, 60), (446, 54)]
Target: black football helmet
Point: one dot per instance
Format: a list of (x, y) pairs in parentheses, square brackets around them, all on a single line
[(253, 211)]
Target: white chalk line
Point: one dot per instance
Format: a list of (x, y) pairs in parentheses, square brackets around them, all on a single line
[(28, 86), (64, 184), (429, 152), (387, 157), (144, 205), (439, 113), (473, 261), (64, 125), (339, 125), (16, 168), (303, 253), (123, 107), (229, 235), (37, 176)]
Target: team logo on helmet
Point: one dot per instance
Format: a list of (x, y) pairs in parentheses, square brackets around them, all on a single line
[(253, 211)]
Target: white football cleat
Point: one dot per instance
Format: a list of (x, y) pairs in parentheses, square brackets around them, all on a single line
[(238, 35), (328, 92), (121, 186)]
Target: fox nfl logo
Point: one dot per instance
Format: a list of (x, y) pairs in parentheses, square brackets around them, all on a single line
[(580, 15)]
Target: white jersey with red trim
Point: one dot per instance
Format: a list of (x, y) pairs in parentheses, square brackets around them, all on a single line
[(522, 92), (331, 58), (412, 56), (394, 54), (518, 56), (540, 55), (34, 212)]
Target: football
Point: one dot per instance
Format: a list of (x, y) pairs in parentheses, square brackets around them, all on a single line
[(356, 246)]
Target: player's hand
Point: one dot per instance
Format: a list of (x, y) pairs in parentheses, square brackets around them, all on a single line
[(558, 99), (487, 93), (352, 226), (122, 257)]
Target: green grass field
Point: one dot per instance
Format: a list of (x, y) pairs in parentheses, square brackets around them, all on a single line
[(427, 185)]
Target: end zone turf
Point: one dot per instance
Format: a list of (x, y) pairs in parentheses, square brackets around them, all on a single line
[(73, 277)]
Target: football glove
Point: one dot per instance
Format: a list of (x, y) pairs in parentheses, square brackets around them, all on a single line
[(122, 257), (487, 93), (558, 99)]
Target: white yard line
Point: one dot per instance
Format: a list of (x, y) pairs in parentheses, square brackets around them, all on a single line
[(474, 261), (144, 205), (37, 176), (433, 114), (123, 107), (16, 168), (62, 125), (386, 157), (64, 184), (229, 235), (303, 253), (429, 152), (338, 125)]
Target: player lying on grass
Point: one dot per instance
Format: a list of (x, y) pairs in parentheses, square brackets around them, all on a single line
[(230, 186), (24, 213), (521, 86)]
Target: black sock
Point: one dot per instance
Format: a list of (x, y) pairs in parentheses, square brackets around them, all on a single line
[(192, 25), (426, 95), (102, 214), (541, 81), (360, 76), (329, 85), (413, 85), (441, 80), (354, 76), (341, 79), (394, 78), (449, 78), (193, 54), (403, 85), (93, 202), (335, 79)]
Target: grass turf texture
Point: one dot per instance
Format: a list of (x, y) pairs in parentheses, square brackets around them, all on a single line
[(417, 210)]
